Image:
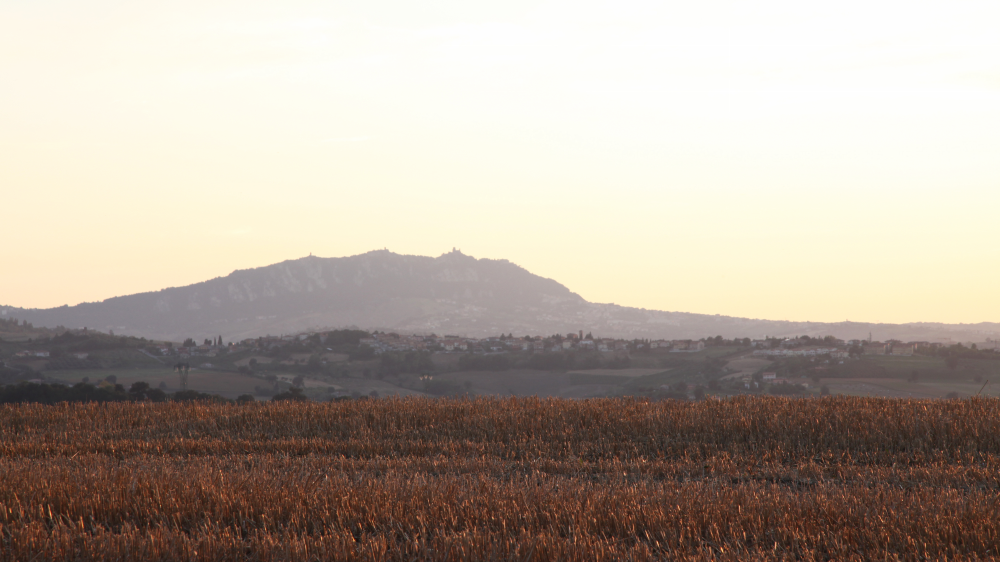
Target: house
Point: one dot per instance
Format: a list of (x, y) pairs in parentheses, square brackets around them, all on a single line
[(81, 355), (566, 344), (453, 345), (874, 349), (902, 349), (771, 377), (688, 345)]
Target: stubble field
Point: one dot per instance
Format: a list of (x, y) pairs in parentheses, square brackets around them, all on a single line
[(513, 479)]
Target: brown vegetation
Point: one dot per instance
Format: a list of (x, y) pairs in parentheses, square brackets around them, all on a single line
[(761, 478)]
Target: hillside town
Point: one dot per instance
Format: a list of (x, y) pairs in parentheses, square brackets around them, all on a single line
[(334, 363), (380, 342)]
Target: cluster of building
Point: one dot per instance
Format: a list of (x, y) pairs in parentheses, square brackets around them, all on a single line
[(894, 348), (833, 352), (382, 342), (31, 354)]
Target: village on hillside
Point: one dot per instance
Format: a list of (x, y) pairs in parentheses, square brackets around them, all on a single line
[(334, 363)]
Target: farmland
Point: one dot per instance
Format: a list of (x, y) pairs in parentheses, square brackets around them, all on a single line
[(223, 383), (513, 479)]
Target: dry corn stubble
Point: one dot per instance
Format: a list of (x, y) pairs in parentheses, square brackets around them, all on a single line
[(485, 479)]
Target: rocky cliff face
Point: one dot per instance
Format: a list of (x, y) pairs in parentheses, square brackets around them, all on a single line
[(451, 294)]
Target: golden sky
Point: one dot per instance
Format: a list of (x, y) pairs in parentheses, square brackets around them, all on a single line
[(772, 159)]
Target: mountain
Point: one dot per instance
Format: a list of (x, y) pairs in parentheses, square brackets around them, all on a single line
[(451, 294)]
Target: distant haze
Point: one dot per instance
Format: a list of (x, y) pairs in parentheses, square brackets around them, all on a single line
[(451, 294), (804, 161)]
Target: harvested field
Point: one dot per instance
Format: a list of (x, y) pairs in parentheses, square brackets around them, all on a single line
[(503, 479), (746, 366)]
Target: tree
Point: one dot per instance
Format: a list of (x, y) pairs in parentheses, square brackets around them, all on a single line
[(824, 390), (699, 392), (293, 394), (315, 363), (183, 369), (298, 380), (952, 361), (138, 389)]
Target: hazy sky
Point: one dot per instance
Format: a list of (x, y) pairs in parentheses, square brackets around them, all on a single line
[(770, 159)]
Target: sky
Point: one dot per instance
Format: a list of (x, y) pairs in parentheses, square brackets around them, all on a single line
[(821, 161)]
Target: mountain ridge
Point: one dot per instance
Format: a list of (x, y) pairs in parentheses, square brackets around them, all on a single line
[(451, 293)]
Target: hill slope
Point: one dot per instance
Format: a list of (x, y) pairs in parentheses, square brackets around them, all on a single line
[(453, 294)]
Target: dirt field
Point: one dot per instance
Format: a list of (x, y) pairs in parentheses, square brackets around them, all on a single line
[(624, 373), (259, 358), (746, 366)]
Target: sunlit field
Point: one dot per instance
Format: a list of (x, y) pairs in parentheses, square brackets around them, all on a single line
[(513, 479)]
